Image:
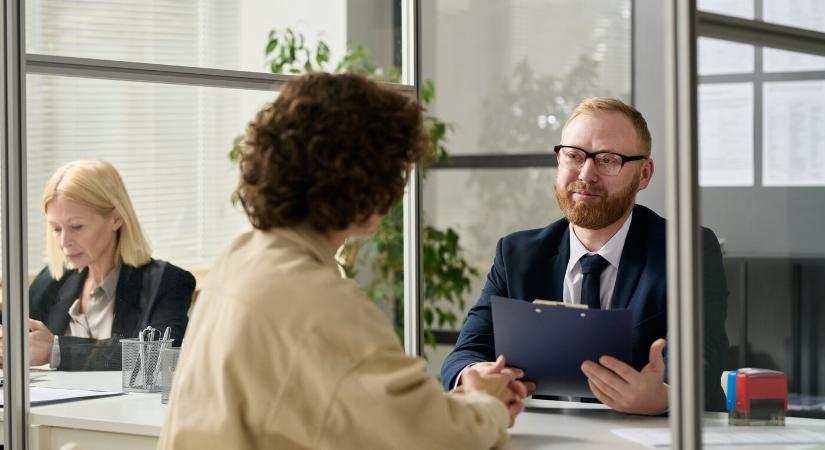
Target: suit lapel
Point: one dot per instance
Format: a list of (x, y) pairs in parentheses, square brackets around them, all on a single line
[(58, 319), (632, 262), (558, 267), (127, 301)]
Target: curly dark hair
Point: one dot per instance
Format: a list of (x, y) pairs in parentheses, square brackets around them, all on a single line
[(331, 150)]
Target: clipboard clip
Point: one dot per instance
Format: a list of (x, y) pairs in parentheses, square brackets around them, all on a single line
[(558, 303)]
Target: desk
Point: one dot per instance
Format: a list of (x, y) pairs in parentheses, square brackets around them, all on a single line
[(556, 425), (126, 422), (133, 421)]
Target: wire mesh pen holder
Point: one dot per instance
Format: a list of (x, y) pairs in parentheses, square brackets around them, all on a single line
[(140, 364)]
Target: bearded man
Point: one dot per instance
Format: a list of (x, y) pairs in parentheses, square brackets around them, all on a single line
[(607, 252)]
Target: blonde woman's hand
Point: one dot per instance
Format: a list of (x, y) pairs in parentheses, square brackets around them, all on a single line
[(41, 341)]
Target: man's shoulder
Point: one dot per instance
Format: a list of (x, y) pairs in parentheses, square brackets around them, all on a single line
[(649, 216), (657, 224), (530, 237), (537, 241)]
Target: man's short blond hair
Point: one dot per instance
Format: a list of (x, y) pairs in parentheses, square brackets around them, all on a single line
[(613, 104), (97, 185)]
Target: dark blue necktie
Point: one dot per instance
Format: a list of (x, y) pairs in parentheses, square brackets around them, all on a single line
[(592, 267)]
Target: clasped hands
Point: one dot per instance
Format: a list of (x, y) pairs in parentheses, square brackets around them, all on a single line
[(500, 381), (41, 340)]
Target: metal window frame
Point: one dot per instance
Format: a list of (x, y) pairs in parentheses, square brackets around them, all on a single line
[(163, 73), (684, 280), (760, 33), (15, 289), (412, 205)]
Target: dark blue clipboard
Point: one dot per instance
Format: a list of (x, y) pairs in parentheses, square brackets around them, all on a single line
[(550, 342)]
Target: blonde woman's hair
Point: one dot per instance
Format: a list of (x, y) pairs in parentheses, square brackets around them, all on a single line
[(613, 104), (97, 185)]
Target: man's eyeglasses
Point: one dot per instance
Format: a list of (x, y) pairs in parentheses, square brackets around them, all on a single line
[(609, 164)]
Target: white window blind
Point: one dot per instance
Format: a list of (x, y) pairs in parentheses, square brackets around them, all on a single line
[(170, 144)]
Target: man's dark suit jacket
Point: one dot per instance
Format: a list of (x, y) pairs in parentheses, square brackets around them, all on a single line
[(531, 264), (156, 294)]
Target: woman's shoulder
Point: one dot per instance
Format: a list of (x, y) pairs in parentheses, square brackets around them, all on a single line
[(167, 266), (45, 279), (165, 270), (44, 287)]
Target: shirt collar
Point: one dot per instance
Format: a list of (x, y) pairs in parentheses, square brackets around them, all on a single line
[(109, 284), (611, 250)]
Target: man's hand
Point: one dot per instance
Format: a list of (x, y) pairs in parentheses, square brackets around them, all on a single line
[(41, 341), (622, 388), (499, 381)]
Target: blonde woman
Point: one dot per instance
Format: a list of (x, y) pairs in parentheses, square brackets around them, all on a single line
[(101, 283)]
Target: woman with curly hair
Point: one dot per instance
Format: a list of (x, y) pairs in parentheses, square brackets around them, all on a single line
[(284, 353)]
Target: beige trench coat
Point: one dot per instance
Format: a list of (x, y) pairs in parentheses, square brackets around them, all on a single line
[(283, 353)]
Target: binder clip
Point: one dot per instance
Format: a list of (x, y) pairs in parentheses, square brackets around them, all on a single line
[(755, 396)]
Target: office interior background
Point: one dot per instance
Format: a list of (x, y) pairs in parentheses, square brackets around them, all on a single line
[(119, 81)]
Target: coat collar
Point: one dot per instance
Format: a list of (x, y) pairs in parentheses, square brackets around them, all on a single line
[(633, 260), (558, 265), (311, 240), (127, 298)]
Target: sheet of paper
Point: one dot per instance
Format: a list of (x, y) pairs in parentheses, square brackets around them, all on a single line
[(718, 436), (726, 134), (33, 378), (44, 395), (793, 142)]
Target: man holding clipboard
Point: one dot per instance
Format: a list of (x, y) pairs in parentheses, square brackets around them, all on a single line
[(606, 253)]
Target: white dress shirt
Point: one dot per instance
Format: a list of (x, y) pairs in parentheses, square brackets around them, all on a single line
[(611, 251)]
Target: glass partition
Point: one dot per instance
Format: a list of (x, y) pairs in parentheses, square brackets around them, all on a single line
[(172, 145), (761, 178)]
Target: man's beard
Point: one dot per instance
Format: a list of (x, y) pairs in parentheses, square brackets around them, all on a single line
[(600, 215)]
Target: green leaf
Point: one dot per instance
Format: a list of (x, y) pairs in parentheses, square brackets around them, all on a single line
[(273, 42), (322, 54), (427, 91)]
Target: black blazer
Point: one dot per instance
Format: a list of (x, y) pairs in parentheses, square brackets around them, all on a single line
[(156, 294), (531, 264)]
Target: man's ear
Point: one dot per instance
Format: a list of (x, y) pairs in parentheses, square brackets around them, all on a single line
[(646, 173)]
